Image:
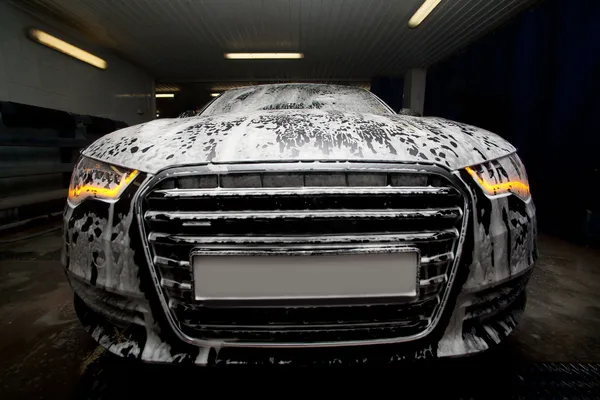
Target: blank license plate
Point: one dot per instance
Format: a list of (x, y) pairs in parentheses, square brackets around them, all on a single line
[(264, 277)]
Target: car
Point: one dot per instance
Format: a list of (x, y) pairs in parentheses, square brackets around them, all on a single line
[(301, 223)]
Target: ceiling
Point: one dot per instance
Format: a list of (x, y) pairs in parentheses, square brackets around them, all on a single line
[(184, 40)]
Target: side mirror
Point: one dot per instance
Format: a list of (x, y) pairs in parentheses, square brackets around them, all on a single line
[(408, 111), (187, 114)]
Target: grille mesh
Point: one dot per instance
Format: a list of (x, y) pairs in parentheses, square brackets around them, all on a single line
[(312, 210)]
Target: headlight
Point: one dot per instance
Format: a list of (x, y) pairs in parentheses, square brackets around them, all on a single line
[(502, 177), (96, 179)]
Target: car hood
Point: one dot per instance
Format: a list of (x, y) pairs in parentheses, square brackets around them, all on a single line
[(297, 135)]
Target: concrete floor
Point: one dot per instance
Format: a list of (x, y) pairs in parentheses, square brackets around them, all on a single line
[(44, 353)]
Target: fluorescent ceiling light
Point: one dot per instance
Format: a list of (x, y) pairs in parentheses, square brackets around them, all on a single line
[(263, 56), (66, 48), (422, 13), (161, 95), (215, 94)]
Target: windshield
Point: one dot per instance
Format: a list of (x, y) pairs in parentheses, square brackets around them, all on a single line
[(297, 97)]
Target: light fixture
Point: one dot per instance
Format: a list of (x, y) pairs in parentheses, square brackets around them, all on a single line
[(215, 94), (66, 48), (263, 56), (502, 177), (164, 95), (100, 180), (494, 188), (422, 13)]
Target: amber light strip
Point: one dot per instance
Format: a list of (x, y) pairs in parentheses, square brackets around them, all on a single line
[(66, 48), (500, 187), (104, 192)]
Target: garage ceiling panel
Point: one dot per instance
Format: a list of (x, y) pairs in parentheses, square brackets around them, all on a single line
[(342, 39)]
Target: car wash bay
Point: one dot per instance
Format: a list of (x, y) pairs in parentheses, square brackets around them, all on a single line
[(524, 70)]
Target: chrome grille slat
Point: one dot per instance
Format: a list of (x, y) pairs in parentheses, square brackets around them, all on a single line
[(185, 216), (323, 335), (305, 191), (178, 216), (410, 237), (169, 283), (217, 308), (436, 258), (273, 316), (306, 327), (433, 280), (170, 263)]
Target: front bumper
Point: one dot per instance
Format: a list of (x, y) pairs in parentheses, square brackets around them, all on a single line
[(118, 304)]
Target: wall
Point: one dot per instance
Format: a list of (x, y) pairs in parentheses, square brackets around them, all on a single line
[(535, 81), (34, 74), (414, 89)]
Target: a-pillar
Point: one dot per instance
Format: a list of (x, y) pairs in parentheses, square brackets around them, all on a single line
[(414, 89)]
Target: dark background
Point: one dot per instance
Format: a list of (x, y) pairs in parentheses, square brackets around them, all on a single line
[(535, 81)]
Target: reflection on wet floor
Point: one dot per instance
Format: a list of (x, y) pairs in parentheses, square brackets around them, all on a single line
[(44, 353)]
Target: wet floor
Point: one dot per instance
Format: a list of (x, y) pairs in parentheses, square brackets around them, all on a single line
[(44, 353)]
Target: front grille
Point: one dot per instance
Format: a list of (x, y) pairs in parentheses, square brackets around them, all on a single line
[(314, 210)]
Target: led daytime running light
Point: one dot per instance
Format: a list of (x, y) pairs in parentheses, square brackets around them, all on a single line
[(104, 192), (500, 187)]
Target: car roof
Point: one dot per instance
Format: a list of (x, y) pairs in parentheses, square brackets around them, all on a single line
[(330, 85)]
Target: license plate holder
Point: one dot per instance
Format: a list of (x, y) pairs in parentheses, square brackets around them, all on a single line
[(305, 275)]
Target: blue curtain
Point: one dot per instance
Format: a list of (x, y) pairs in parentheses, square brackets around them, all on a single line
[(536, 82), (389, 89)]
